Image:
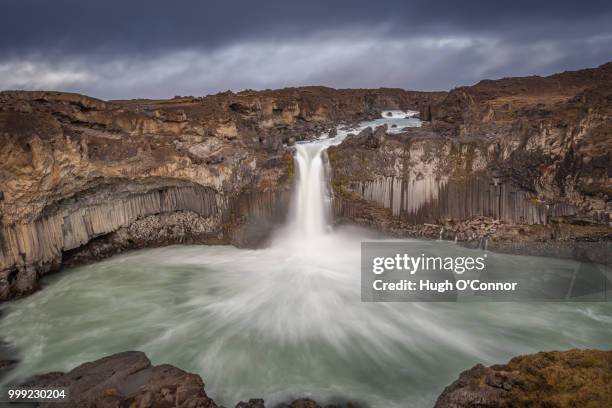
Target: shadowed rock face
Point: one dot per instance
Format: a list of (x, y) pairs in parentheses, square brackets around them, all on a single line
[(574, 378), (81, 179), (523, 151)]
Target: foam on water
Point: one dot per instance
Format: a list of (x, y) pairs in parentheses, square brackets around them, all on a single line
[(398, 114)]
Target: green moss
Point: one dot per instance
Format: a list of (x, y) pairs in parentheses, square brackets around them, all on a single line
[(574, 378), (331, 154), (288, 158)]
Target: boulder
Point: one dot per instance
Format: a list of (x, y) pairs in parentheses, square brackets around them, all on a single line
[(368, 138), (253, 403), (573, 378), (126, 380)]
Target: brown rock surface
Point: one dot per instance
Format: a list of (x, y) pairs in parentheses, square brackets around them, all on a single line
[(129, 380), (125, 380), (523, 151), (574, 378), (83, 179)]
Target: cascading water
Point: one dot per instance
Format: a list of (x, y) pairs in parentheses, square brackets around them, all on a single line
[(287, 321), (311, 202), (310, 210)]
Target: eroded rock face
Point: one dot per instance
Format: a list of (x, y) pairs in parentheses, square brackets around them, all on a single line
[(574, 378), (524, 151), (88, 178), (81, 179), (124, 380)]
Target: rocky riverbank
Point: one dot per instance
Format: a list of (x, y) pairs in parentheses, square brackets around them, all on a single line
[(574, 378)]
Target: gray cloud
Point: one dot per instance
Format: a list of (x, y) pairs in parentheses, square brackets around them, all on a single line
[(159, 49)]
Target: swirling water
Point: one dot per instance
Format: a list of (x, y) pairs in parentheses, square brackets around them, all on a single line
[(286, 321)]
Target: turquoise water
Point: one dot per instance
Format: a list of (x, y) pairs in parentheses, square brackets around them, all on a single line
[(286, 321)]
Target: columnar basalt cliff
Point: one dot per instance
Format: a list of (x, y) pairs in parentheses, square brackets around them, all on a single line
[(508, 154), (83, 179)]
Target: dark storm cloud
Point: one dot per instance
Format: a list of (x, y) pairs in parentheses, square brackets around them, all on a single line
[(160, 48)]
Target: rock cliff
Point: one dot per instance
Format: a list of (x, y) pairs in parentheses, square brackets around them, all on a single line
[(506, 153), (515, 160), (82, 178)]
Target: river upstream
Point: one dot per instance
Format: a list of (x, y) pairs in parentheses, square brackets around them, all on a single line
[(287, 321)]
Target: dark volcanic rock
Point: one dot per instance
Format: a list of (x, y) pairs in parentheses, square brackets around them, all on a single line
[(368, 138), (252, 403), (125, 380), (574, 378)]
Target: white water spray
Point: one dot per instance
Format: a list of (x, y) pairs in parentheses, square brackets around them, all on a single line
[(311, 206), (398, 114)]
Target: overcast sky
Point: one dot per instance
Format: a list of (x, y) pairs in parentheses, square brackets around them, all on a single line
[(161, 48)]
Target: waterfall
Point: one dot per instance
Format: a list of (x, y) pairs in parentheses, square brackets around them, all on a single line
[(311, 204), (311, 201)]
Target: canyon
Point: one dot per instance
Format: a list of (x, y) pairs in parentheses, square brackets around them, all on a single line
[(83, 179), (519, 165), (515, 161)]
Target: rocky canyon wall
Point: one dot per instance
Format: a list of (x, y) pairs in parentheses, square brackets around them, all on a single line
[(518, 151), (82, 179), (425, 180)]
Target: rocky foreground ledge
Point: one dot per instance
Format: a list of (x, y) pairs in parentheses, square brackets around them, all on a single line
[(129, 379), (574, 378)]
